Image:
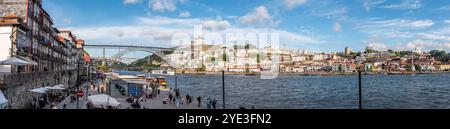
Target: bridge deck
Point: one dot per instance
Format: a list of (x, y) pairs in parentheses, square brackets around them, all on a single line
[(125, 47)]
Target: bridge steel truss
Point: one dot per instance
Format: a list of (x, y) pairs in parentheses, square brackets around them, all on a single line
[(124, 50)]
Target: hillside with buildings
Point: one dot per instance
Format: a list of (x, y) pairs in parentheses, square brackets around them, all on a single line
[(250, 59)]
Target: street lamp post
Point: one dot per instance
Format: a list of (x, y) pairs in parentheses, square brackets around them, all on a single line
[(223, 87), (360, 88), (176, 80), (78, 83), (89, 82)]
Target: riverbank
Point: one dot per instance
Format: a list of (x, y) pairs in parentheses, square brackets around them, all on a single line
[(320, 73), (313, 73)]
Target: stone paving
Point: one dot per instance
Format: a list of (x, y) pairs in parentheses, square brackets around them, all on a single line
[(155, 103)]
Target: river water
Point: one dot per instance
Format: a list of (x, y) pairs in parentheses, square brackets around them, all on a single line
[(422, 91)]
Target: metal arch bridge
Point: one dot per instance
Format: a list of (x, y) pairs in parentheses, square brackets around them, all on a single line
[(125, 49)]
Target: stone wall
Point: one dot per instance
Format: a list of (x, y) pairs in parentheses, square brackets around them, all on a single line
[(17, 87)]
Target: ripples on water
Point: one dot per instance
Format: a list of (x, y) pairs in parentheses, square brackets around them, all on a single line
[(321, 92)]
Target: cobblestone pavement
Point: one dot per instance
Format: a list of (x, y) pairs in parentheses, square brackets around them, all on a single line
[(155, 103)]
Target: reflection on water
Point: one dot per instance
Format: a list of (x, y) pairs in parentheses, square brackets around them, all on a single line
[(321, 92)]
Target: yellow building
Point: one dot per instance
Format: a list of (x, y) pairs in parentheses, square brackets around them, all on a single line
[(443, 67)]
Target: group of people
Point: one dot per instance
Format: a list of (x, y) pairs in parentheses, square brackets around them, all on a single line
[(177, 99), (138, 103), (210, 103), (41, 101)]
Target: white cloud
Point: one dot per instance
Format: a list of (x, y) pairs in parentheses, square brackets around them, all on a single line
[(378, 46), (169, 22), (446, 7), (67, 21), (337, 27), (426, 45), (216, 25), (162, 5), (405, 4), (290, 4), (447, 21), (131, 1), (158, 31), (185, 14), (433, 37), (377, 26), (369, 4), (259, 16)]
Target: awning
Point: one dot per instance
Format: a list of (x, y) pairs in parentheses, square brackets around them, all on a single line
[(86, 57), (14, 61), (39, 90), (3, 100), (18, 61), (28, 60), (57, 87)]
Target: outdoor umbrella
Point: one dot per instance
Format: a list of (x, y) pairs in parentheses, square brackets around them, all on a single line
[(56, 88), (39, 90), (3, 100), (103, 100), (15, 61)]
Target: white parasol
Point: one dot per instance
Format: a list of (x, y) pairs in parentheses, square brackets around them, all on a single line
[(103, 100), (3, 100), (39, 90), (15, 61)]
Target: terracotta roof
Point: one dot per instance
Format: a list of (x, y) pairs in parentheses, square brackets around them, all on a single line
[(11, 15), (80, 41), (61, 39), (63, 30), (86, 57)]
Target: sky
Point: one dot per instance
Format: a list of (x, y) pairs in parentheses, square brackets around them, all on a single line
[(315, 25)]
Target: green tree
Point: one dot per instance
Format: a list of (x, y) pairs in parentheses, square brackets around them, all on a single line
[(440, 55), (202, 68), (258, 58), (247, 46), (418, 68), (247, 66), (409, 67), (224, 57), (102, 68)]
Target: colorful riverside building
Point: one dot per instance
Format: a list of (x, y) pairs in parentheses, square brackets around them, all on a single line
[(27, 33)]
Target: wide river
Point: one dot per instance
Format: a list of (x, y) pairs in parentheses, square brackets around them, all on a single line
[(422, 91)]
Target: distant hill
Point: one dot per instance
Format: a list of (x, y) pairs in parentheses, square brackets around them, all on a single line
[(146, 63)]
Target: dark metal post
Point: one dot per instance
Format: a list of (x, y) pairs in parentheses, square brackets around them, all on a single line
[(360, 89), (89, 82), (176, 80), (78, 83), (223, 87)]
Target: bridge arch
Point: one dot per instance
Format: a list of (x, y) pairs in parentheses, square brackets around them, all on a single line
[(117, 57)]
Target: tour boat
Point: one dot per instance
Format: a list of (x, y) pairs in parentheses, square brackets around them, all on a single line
[(163, 72)]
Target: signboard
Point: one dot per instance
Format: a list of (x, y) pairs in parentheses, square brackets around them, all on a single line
[(133, 90)]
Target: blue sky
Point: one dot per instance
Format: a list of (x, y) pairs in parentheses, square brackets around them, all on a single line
[(317, 25)]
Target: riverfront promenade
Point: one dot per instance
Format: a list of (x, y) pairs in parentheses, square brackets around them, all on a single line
[(155, 103)]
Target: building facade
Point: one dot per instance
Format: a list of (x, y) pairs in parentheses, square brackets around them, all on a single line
[(27, 33)]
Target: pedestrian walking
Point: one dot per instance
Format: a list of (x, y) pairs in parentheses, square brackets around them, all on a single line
[(52, 105), (170, 98), (177, 102), (187, 99), (199, 100), (208, 103), (214, 102), (64, 106)]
